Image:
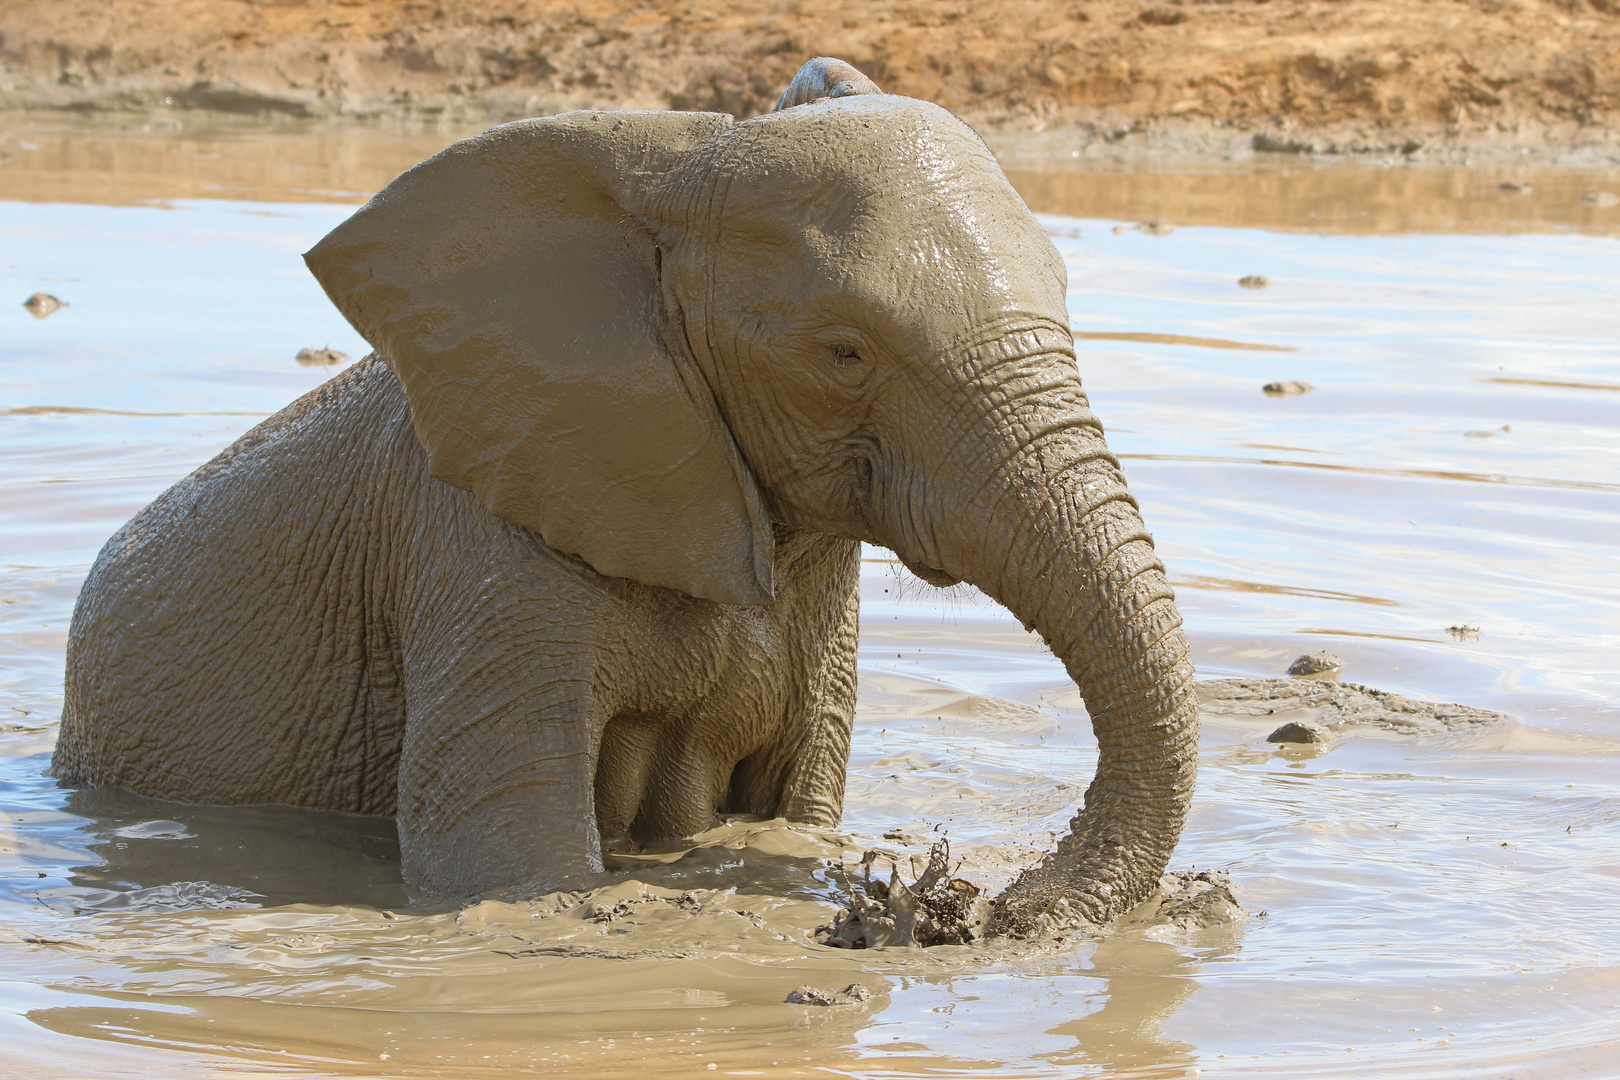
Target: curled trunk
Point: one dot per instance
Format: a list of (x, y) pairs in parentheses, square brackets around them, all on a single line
[(1057, 539), (1112, 620)]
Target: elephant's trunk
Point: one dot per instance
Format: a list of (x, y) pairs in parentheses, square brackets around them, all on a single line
[(1056, 538)]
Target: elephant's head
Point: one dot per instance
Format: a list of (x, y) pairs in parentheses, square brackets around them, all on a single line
[(650, 336)]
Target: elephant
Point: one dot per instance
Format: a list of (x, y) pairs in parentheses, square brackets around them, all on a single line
[(570, 562)]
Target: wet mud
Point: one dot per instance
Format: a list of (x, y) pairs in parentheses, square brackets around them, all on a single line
[(939, 909), (936, 909), (1336, 706), (1416, 881)]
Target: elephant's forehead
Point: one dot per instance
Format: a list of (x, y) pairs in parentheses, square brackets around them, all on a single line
[(891, 200), (870, 155)]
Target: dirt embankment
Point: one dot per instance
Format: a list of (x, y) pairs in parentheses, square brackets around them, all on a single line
[(1209, 77)]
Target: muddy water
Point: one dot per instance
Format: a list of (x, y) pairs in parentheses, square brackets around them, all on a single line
[(1435, 904)]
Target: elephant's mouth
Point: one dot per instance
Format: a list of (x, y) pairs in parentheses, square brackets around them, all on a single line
[(933, 575)]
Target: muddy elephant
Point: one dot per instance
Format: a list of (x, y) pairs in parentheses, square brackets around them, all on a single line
[(571, 561)]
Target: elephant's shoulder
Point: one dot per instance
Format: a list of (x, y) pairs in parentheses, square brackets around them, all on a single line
[(356, 406), (293, 470)]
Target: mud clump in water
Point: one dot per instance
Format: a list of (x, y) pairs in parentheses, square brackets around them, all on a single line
[(1253, 281), (936, 909), (1189, 900), (1295, 732), (1338, 705), (1317, 665), (42, 304), (1290, 388), (321, 357)]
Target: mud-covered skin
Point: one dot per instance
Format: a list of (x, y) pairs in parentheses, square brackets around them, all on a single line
[(695, 354), (310, 616)]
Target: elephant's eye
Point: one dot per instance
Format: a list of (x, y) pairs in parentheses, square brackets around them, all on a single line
[(845, 354)]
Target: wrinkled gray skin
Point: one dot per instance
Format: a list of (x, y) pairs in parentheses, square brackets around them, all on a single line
[(865, 333)]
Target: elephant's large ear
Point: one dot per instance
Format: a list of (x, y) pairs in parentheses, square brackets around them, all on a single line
[(513, 282)]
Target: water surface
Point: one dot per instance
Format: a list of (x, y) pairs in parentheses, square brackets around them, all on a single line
[(1440, 511)]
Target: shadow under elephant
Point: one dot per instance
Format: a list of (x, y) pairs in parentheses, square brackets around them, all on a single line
[(156, 855)]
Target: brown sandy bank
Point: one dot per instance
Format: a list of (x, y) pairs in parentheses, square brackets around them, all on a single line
[(1437, 80)]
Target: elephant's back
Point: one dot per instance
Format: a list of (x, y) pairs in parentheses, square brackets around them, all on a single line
[(237, 625)]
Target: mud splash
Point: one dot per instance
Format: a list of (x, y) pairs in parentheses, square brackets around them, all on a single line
[(936, 909), (940, 909)]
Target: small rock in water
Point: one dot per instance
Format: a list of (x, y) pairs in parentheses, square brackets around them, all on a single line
[(42, 304), (321, 357), (1286, 389), (1317, 665), (1604, 200), (1157, 227), (1513, 187), (1296, 732), (1254, 281)]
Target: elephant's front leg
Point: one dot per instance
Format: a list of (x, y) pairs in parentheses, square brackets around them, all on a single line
[(798, 773), (495, 770), (495, 785)]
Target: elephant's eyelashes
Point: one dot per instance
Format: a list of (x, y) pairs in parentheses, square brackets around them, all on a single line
[(844, 355)]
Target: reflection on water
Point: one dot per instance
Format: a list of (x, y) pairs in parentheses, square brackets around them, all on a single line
[(1436, 905), (1144, 984), (1178, 339), (1558, 383), (1340, 198), (126, 161)]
